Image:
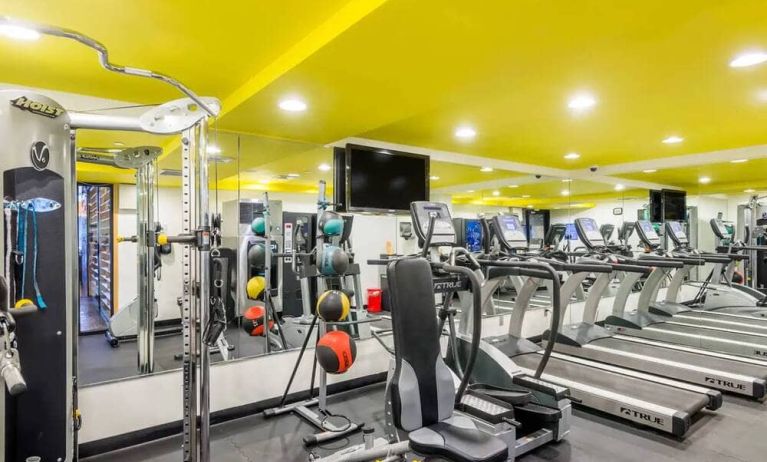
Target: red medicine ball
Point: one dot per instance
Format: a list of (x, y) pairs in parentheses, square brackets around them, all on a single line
[(253, 321), (336, 352)]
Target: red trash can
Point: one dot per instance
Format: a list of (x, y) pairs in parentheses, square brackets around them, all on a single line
[(374, 300)]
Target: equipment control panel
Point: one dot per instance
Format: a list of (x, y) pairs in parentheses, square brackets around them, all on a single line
[(647, 234), (510, 232), (589, 233), (444, 231), (676, 233)]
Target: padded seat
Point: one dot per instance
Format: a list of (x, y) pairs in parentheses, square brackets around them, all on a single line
[(458, 439)]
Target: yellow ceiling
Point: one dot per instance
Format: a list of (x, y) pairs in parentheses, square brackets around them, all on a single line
[(725, 177), (548, 194), (411, 72)]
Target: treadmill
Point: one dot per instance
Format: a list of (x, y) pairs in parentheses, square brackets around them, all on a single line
[(722, 318), (587, 340), (705, 332), (733, 299), (652, 401)]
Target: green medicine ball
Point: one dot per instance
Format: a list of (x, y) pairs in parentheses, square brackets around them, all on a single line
[(258, 226)]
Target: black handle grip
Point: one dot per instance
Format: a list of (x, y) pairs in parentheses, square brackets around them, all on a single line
[(632, 268), (587, 268)]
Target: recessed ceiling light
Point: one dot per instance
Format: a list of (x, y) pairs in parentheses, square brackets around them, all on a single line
[(738, 161), (572, 155), (749, 190), (529, 206), (496, 193), (17, 32), (525, 196), (619, 187), (565, 192), (582, 102), (324, 167), (264, 181), (470, 191), (292, 105), (434, 178), (751, 58), (649, 170), (213, 149), (567, 180), (673, 139), (465, 133), (704, 180), (513, 186), (119, 143), (486, 169), (293, 175)]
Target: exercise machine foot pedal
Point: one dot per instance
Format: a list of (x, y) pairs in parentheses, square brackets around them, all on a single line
[(487, 408)]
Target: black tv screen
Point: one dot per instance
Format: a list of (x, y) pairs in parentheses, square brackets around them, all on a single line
[(656, 206), (384, 180), (674, 205)]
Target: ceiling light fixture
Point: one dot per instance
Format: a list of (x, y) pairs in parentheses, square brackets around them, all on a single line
[(673, 139), (529, 206), (19, 32), (213, 149), (293, 175), (513, 186), (496, 193), (649, 170), (470, 191), (292, 105), (565, 192), (749, 190), (750, 58), (582, 102), (525, 196), (434, 178), (486, 169), (619, 187), (704, 180), (324, 167), (119, 143), (572, 156), (738, 161), (567, 180), (465, 133)]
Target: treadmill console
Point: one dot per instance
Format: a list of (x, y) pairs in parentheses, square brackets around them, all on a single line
[(720, 230), (676, 232), (607, 231), (444, 232), (510, 232), (588, 233), (554, 236), (647, 234), (627, 229)]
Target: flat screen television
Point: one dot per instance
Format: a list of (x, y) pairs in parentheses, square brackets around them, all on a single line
[(656, 206), (473, 234), (382, 180), (674, 205)]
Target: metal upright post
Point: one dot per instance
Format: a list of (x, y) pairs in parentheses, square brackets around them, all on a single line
[(145, 191), (188, 304), (267, 272), (203, 261)]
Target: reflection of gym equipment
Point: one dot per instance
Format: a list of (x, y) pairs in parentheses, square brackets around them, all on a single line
[(39, 161), (329, 265), (258, 242)]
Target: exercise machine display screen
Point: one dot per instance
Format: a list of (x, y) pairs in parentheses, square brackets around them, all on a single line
[(647, 234), (473, 235), (676, 232), (510, 231), (444, 232), (588, 232), (626, 231)]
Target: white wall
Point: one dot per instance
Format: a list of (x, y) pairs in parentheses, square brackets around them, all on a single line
[(168, 288)]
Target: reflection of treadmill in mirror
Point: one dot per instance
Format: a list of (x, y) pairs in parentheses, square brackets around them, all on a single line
[(676, 323), (554, 237), (723, 298), (510, 234)]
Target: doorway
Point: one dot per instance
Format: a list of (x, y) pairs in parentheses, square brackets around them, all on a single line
[(96, 256)]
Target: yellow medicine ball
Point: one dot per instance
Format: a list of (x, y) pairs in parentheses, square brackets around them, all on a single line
[(255, 287), (333, 306)]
